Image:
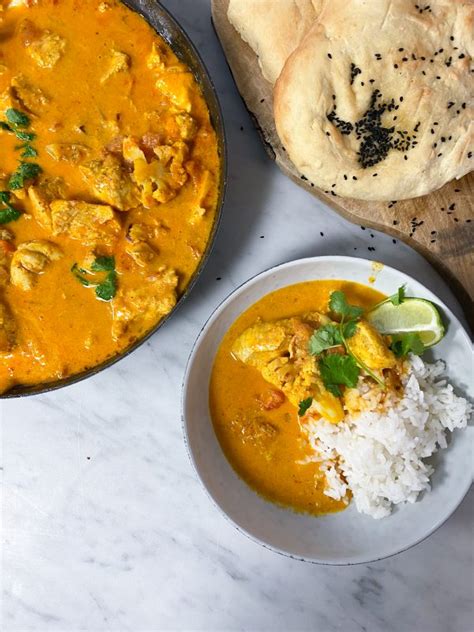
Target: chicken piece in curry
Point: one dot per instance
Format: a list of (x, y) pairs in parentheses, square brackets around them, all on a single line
[(109, 176), (266, 377)]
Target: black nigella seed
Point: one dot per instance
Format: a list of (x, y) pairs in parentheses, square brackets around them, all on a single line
[(395, 222), (401, 99), (443, 139), (405, 59), (438, 77), (452, 207), (345, 177), (262, 100), (374, 175), (461, 56), (400, 50), (423, 58), (457, 190), (394, 241), (322, 234), (395, 65), (218, 278), (423, 73), (440, 154), (354, 178), (463, 105), (450, 104), (433, 232), (452, 38), (329, 55), (328, 134), (262, 236), (241, 128), (362, 227)]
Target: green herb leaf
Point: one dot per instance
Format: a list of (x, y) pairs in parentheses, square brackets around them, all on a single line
[(29, 152), (349, 328), (402, 344), (108, 289), (336, 370), (9, 214), (103, 263), (324, 338), (79, 274), (399, 296), (25, 136), (26, 171), (15, 117), (339, 305), (304, 405), (5, 126)]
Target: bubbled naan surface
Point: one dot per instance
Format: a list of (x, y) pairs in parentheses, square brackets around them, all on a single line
[(377, 102)]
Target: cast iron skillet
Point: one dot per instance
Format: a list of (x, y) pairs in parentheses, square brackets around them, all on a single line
[(174, 35)]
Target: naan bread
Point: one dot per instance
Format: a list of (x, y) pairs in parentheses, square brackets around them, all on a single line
[(273, 28), (377, 101)]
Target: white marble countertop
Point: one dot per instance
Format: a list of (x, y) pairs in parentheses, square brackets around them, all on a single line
[(104, 524)]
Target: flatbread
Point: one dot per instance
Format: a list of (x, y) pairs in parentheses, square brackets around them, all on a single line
[(273, 28), (377, 101)]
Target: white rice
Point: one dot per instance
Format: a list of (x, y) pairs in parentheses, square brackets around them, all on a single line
[(379, 456)]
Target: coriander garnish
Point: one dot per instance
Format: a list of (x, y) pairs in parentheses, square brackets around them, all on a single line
[(17, 122), (339, 369), (8, 213), (106, 289), (304, 405)]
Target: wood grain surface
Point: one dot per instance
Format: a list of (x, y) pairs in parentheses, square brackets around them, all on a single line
[(439, 225)]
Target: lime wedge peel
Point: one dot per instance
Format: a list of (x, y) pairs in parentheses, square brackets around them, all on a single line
[(413, 315)]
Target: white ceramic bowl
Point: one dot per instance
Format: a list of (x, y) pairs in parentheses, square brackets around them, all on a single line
[(347, 537)]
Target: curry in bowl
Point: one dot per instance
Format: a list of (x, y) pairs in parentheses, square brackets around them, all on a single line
[(109, 184), (319, 397)]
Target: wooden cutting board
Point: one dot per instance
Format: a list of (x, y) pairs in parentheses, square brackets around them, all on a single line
[(439, 225)]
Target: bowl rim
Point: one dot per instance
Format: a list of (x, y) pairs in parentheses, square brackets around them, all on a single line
[(453, 320), (18, 391)]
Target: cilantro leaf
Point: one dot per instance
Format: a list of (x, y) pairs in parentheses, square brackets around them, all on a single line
[(25, 136), (399, 296), (79, 274), (336, 370), (349, 328), (17, 118), (5, 126), (339, 305), (9, 213), (103, 263), (324, 338), (107, 290), (26, 171), (28, 152), (304, 405), (402, 344)]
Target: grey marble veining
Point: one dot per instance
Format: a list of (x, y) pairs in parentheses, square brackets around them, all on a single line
[(104, 525)]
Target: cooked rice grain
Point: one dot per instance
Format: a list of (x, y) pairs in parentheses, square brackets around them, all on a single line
[(379, 457)]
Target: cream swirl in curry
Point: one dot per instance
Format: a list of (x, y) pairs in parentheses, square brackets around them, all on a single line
[(108, 184)]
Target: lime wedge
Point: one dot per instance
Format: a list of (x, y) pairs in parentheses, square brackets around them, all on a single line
[(413, 315)]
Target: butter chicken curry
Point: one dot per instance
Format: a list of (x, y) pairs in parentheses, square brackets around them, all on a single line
[(109, 174)]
